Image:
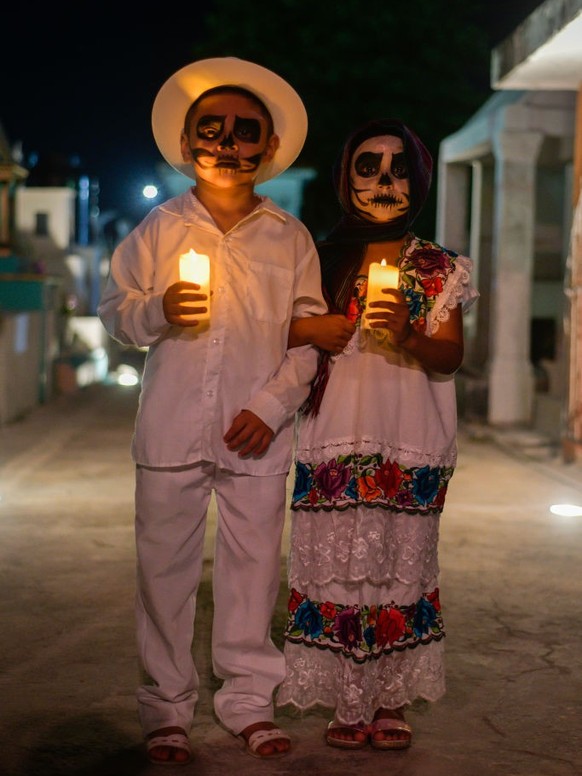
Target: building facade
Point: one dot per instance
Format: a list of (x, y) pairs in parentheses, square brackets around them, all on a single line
[(508, 196)]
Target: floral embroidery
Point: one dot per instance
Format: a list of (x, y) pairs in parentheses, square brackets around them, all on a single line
[(364, 632), (357, 303), (332, 478), (424, 269), (423, 273), (355, 479)]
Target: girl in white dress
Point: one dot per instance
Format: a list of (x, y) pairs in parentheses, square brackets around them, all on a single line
[(375, 452)]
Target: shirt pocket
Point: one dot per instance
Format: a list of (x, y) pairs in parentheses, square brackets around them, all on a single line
[(269, 291)]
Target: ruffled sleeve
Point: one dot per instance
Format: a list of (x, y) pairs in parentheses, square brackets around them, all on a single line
[(458, 289)]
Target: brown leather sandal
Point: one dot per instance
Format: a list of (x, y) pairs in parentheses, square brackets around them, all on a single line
[(390, 724)]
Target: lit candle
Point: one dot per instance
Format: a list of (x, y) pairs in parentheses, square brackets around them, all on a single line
[(379, 276), (195, 268)]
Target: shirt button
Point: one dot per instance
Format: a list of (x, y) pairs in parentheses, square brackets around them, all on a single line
[(210, 394), (216, 341)]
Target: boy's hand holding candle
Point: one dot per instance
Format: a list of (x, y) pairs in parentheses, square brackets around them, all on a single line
[(182, 302)]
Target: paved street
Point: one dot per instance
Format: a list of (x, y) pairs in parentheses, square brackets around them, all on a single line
[(511, 593)]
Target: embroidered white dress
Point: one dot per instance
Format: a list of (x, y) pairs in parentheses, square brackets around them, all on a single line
[(365, 628)]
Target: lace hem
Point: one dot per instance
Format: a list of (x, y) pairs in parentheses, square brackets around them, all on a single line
[(410, 455), (322, 679), (357, 342), (365, 548)]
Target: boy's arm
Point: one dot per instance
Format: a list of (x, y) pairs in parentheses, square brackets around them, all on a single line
[(129, 309), (286, 391)]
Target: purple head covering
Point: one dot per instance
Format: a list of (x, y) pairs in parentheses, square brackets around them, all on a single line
[(342, 252), (352, 227)]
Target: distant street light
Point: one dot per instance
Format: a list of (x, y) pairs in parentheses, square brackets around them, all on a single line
[(150, 191)]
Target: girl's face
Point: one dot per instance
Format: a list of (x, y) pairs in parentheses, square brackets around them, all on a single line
[(227, 140), (379, 186)]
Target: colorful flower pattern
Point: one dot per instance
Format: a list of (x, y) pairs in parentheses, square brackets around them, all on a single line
[(370, 480), (357, 303), (424, 269), (354, 479), (364, 632)]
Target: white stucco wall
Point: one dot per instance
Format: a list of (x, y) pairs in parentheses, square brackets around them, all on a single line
[(59, 205)]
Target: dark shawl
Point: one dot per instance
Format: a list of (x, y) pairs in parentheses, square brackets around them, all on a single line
[(341, 253)]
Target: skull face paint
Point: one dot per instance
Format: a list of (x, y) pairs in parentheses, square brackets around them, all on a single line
[(227, 138), (379, 185), (245, 130)]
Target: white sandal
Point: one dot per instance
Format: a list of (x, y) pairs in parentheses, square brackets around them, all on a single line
[(260, 737), (173, 741)]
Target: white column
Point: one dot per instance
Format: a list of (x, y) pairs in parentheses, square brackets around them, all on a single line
[(452, 199), (471, 319), (511, 381), (572, 441)]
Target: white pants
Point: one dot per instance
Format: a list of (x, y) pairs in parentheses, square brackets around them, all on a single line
[(171, 508)]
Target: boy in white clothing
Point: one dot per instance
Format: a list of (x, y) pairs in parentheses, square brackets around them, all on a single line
[(218, 398)]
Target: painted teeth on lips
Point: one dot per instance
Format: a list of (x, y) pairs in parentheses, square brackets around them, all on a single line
[(386, 201)]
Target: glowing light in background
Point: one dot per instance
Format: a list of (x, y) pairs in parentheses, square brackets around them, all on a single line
[(127, 375), (150, 191), (566, 510)]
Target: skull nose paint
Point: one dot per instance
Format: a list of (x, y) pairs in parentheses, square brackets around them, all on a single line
[(385, 180), (227, 142)]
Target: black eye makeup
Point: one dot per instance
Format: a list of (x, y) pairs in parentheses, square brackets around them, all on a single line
[(367, 165), (210, 127), (398, 167), (247, 130)]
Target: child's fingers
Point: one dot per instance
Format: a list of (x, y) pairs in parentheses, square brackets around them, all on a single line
[(248, 434), (385, 303), (249, 442), (256, 445), (180, 308), (191, 296)]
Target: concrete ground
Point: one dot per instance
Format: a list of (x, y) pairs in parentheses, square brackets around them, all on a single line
[(511, 592)]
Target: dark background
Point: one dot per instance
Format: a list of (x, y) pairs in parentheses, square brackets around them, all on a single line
[(79, 79)]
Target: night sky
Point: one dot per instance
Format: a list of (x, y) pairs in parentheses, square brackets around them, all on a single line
[(80, 79), (84, 80)]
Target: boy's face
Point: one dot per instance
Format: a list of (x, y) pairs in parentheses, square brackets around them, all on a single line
[(227, 140), (379, 186)]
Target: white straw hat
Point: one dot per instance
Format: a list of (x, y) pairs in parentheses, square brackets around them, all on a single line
[(186, 85)]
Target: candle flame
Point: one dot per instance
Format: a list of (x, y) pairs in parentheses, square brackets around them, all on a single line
[(383, 263)]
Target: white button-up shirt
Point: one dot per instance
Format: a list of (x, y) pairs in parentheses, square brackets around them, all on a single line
[(263, 272)]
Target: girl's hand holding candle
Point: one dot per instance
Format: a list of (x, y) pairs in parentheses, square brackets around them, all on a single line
[(380, 276)]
